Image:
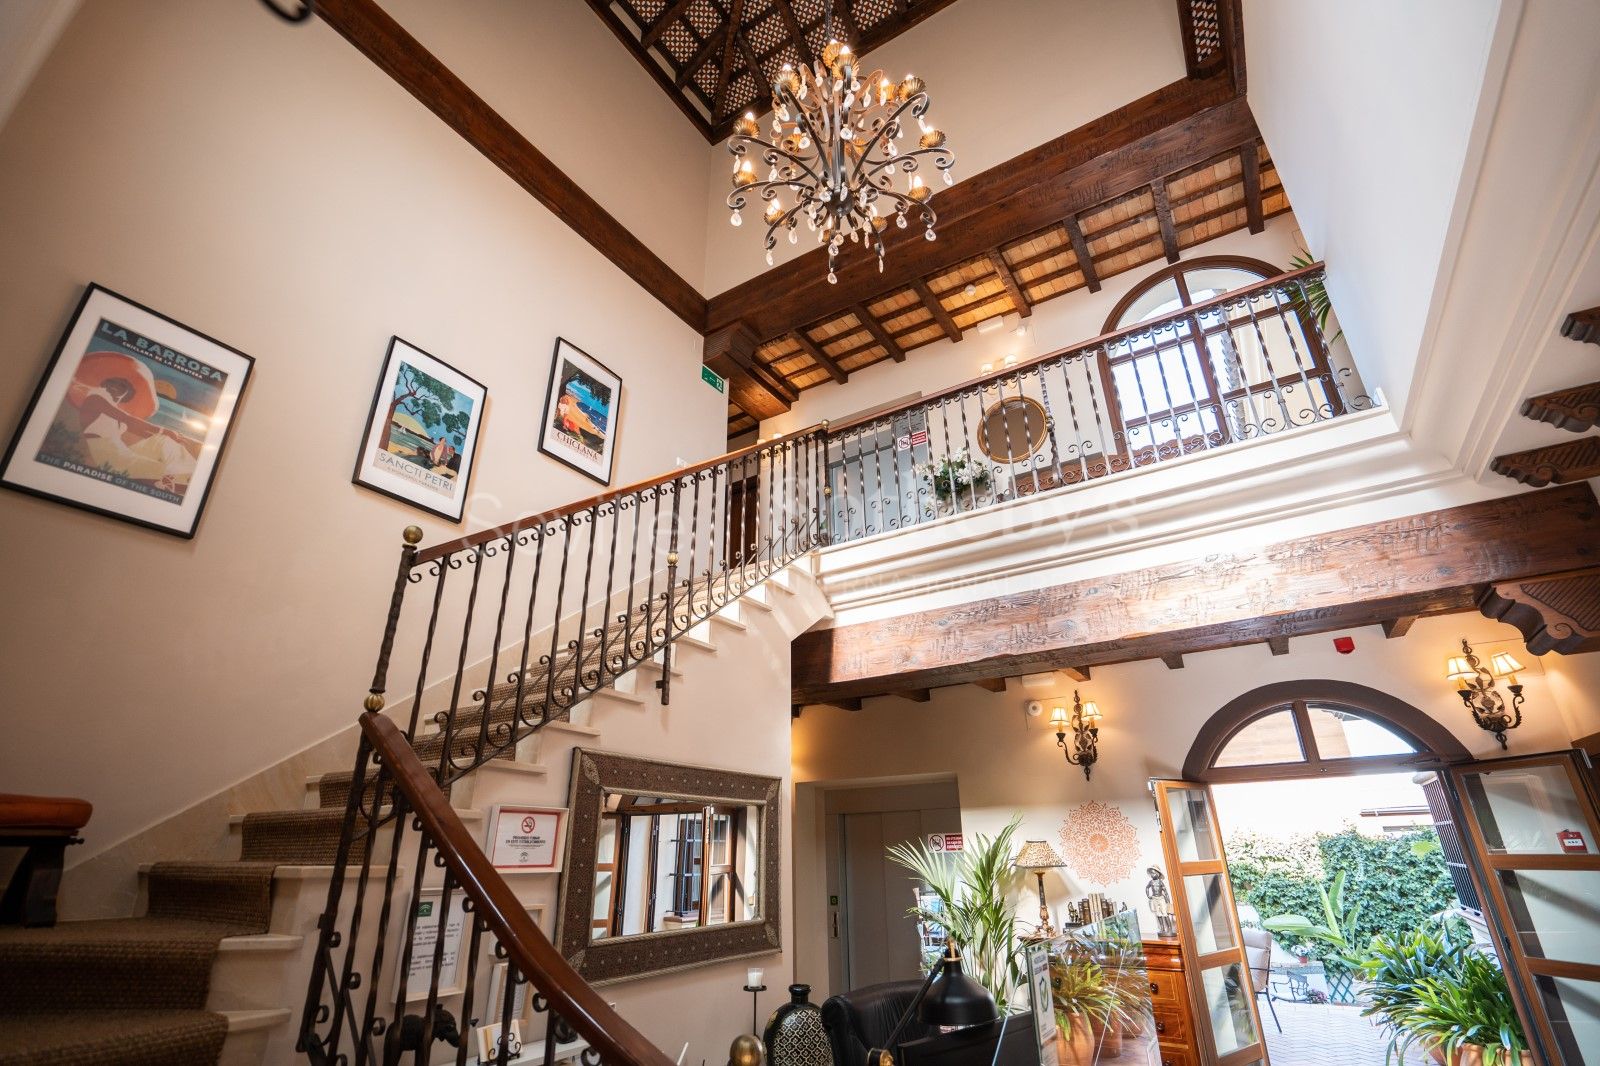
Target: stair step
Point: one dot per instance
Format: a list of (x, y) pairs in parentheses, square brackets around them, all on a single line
[(114, 1038), (727, 621), (252, 1032)]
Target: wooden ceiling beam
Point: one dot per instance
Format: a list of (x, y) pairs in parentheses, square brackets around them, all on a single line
[(797, 35), (1557, 464), (1160, 134), (730, 32), (1080, 674), (1576, 409), (1250, 164), (1583, 326), (879, 334), (1278, 645), (915, 695), (820, 357), (1169, 231), (1395, 628), (669, 83), (376, 34), (701, 57), (989, 684), (673, 12), (935, 307), (1080, 248), (752, 63), (1425, 564), (1009, 280), (1172, 660)]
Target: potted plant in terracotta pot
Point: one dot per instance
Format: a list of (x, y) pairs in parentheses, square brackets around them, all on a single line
[(1439, 995), (1083, 1000)]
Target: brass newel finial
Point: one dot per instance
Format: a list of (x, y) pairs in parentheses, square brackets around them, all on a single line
[(824, 425), (373, 702), (672, 558), (827, 490), (412, 535)]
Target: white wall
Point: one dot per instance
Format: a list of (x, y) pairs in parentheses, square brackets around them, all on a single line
[(559, 75), (1368, 107), (270, 186), (1003, 76), (1006, 762), (1054, 324)]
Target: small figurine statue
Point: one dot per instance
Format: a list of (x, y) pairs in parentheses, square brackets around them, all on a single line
[(1160, 902)]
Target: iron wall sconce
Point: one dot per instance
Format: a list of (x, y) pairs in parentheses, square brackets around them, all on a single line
[(1475, 686), (1085, 724)]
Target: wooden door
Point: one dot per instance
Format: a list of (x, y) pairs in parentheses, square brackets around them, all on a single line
[(1227, 1026), (1534, 837)]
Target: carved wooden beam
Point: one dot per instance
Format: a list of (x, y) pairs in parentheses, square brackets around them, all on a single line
[(879, 334), (820, 357), (1559, 613), (1557, 464), (1080, 249), (997, 260), (1173, 661), (1169, 232), (730, 38), (1420, 565), (1577, 408), (1583, 326), (936, 309), (1250, 164), (1395, 628), (381, 39), (990, 684), (1278, 645)]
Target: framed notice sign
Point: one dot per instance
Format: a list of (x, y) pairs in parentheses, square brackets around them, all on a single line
[(130, 418), (430, 925), (527, 838), (1044, 1013)]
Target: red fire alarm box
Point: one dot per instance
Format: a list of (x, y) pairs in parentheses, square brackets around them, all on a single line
[(1344, 645), (1572, 840)]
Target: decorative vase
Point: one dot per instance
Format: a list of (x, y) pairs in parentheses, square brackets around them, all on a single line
[(794, 1035)]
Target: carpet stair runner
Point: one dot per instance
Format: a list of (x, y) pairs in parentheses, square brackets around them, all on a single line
[(132, 991)]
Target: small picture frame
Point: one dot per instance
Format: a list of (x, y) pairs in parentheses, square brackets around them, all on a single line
[(425, 935), (579, 427), (131, 417), (421, 437), (528, 839)]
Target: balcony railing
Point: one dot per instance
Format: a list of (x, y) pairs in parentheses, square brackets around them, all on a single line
[(1246, 364)]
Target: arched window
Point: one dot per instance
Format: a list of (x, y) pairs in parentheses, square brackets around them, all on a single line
[(1313, 729), (1211, 377)]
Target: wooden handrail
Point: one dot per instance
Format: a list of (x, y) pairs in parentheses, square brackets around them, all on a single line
[(569, 995), (1082, 346), (473, 540)]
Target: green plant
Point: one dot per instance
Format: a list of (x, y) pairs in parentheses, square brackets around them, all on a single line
[(1396, 969), (1316, 292), (972, 891), (1080, 988), (1474, 1007), (1339, 928)]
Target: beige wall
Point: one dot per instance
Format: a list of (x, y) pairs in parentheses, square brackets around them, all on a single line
[(268, 185), (1006, 762)]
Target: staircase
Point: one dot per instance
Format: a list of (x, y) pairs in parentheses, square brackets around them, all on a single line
[(215, 970)]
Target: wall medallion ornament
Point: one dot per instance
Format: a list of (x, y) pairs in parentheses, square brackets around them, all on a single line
[(1099, 843)]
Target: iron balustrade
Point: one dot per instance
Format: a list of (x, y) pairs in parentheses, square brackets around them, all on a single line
[(515, 626), (1246, 364)]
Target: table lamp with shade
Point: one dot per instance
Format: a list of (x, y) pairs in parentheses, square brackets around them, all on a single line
[(1039, 856)]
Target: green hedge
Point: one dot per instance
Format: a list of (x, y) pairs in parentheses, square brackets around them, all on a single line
[(1397, 889)]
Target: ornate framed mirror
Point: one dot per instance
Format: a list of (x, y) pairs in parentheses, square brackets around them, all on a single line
[(668, 867), (1012, 429)]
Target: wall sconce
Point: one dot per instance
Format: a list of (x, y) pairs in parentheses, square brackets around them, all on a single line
[(1475, 686), (1085, 723)]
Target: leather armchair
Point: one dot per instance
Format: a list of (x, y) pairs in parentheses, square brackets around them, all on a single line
[(862, 1019)]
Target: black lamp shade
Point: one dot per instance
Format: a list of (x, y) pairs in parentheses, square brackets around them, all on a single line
[(957, 1000)]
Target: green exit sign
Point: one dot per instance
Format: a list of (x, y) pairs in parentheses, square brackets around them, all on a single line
[(712, 378)]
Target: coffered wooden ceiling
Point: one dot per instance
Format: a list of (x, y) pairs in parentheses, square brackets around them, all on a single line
[(717, 58)]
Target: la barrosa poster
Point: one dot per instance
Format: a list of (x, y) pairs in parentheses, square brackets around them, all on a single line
[(580, 413), (422, 432), (131, 416)]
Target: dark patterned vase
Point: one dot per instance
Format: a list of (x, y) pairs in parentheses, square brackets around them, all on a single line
[(794, 1035)]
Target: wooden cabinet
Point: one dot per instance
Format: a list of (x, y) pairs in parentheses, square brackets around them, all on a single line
[(1169, 1002)]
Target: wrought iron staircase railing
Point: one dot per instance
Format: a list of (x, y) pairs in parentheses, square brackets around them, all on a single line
[(551, 609)]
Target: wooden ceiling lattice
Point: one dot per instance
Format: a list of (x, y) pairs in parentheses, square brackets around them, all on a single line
[(1204, 201), (717, 58)]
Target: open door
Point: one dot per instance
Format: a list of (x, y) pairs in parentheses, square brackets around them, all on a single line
[(1214, 965), (1534, 835)]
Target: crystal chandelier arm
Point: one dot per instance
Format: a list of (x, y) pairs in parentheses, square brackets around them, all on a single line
[(918, 104), (904, 203), (943, 161), (737, 199), (772, 155)]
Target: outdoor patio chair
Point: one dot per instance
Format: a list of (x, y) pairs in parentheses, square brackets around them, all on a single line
[(1258, 955)]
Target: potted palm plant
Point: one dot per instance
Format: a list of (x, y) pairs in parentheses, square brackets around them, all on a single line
[(971, 902), (1084, 1001)]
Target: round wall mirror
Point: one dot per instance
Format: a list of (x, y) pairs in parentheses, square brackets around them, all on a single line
[(1012, 429)]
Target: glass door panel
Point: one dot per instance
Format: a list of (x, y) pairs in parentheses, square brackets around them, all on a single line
[(1532, 829), (1214, 963)]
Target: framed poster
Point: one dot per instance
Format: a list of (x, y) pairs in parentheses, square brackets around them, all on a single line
[(422, 432), (131, 417), (527, 838), (424, 938), (580, 412)]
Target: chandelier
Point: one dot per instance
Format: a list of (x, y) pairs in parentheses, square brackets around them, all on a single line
[(836, 151)]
